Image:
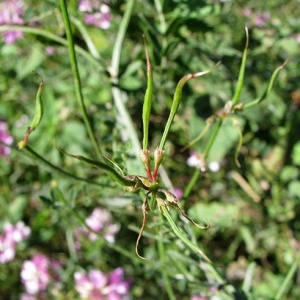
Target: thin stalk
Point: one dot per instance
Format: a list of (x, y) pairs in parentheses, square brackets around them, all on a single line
[(121, 97), (120, 39), (58, 169), (240, 81), (197, 172), (162, 256), (212, 139), (76, 76)]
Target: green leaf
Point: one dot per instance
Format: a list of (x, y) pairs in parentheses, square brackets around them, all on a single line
[(28, 63)]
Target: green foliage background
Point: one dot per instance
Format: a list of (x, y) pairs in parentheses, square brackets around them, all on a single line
[(259, 225)]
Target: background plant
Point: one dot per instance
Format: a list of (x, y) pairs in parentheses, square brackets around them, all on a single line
[(183, 37)]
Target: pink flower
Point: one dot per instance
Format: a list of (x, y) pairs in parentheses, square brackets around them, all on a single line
[(96, 285), (258, 19), (5, 137), (204, 296), (37, 273), (17, 233), (95, 13), (11, 12), (7, 249), (13, 234), (177, 192), (100, 221)]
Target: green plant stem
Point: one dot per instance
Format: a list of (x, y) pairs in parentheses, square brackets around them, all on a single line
[(212, 138), (58, 169), (288, 279), (197, 172), (76, 76), (164, 267), (240, 81), (190, 186), (119, 96)]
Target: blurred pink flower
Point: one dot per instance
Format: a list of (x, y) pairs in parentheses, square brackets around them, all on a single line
[(96, 285), (95, 13), (5, 138), (11, 12), (204, 296), (261, 18), (7, 249), (12, 234), (258, 19), (100, 221), (177, 192), (37, 273)]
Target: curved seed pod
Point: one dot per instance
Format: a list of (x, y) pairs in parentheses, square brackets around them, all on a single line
[(37, 116), (181, 235)]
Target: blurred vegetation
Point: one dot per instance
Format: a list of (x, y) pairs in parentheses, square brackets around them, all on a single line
[(253, 211)]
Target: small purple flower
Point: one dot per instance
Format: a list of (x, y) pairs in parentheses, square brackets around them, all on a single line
[(5, 138), (12, 234), (50, 50), (101, 221), (11, 12), (95, 13), (260, 19), (96, 285)]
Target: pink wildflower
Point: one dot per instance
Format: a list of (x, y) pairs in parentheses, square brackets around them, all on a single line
[(96, 285), (37, 273), (11, 12), (95, 13), (5, 137), (100, 221), (177, 192), (204, 296), (12, 234)]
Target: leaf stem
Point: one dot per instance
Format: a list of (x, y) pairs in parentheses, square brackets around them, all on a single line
[(76, 76)]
